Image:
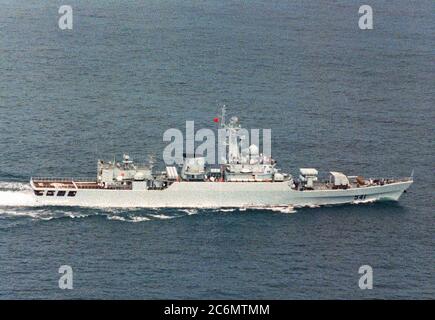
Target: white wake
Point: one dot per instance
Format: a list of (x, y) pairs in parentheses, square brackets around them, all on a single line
[(16, 194)]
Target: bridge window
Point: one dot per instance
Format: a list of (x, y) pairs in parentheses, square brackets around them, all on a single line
[(38, 192), (72, 193), (61, 193), (50, 193)]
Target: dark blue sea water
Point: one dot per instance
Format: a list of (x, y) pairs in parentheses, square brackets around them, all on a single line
[(336, 98)]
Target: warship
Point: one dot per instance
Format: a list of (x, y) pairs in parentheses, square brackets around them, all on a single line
[(240, 181)]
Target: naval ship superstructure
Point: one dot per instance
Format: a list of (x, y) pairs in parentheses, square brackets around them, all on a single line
[(253, 181)]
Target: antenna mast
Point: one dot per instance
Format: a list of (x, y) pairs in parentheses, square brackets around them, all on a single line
[(224, 109)]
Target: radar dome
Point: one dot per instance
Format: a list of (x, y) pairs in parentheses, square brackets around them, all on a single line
[(253, 149)]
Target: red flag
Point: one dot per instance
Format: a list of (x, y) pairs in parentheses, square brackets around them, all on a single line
[(216, 120)]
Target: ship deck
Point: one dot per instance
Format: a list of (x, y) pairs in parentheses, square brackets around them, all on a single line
[(326, 185), (90, 183), (70, 184)]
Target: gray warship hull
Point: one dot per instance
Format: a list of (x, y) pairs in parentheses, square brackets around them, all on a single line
[(182, 194)]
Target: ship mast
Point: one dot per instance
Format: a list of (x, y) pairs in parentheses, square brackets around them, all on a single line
[(223, 111)]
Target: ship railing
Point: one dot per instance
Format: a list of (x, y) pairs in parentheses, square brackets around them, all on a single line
[(102, 187), (386, 180), (64, 179), (118, 188), (391, 179), (136, 166)]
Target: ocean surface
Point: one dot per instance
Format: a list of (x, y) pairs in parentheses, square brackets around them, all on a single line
[(336, 98)]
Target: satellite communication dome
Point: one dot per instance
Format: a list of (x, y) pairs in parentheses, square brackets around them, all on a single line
[(234, 120), (253, 149)]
